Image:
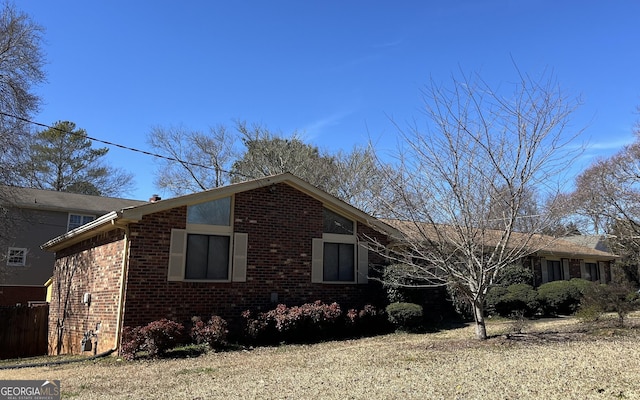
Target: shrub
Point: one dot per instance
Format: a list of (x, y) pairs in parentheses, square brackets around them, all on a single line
[(213, 332), (559, 297), (620, 298), (155, 338), (368, 321), (405, 316), (514, 300), (308, 322), (132, 342), (514, 274), (161, 335), (589, 311), (582, 285)]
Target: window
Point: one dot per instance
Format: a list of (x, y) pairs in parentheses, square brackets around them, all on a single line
[(207, 257), (208, 249), (592, 271), (338, 257), (338, 262), (336, 223), (16, 257), (554, 270), (76, 220), (216, 212)]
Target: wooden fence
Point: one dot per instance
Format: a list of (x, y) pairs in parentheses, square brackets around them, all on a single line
[(23, 331)]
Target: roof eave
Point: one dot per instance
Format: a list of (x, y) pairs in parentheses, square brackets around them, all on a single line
[(566, 254), (101, 224)]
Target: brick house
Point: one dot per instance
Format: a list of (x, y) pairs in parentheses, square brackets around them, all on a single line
[(244, 246), (564, 259)]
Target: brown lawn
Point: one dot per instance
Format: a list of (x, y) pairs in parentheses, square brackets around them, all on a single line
[(554, 359)]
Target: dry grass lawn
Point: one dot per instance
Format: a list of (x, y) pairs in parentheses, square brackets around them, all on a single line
[(555, 360)]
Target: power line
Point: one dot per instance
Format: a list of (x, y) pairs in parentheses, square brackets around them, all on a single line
[(108, 143)]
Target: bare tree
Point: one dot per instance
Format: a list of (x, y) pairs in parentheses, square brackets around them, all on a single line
[(359, 179), (607, 197), (196, 160), (21, 67), (477, 150)]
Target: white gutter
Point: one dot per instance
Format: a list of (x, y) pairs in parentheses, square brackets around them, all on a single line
[(77, 233)]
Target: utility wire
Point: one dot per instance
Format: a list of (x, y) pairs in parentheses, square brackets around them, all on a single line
[(108, 143)]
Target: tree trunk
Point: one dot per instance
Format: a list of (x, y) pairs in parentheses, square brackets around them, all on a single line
[(478, 314)]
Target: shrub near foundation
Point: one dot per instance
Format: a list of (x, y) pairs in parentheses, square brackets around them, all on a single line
[(306, 323), (213, 332), (561, 297), (312, 322), (155, 338), (519, 300)]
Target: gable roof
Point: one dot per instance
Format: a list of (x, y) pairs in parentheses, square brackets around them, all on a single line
[(51, 200), (124, 216), (541, 245)]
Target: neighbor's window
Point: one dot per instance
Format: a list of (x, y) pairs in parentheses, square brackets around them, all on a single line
[(339, 262), (593, 272), (16, 257), (76, 220), (216, 212), (207, 257), (554, 270)]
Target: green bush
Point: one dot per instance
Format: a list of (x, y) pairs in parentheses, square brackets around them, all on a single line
[(514, 274), (589, 311), (560, 297), (405, 316), (519, 299), (582, 285)]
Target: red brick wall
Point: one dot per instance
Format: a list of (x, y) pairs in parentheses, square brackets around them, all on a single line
[(574, 269), (93, 266), (280, 223), (12, 295)]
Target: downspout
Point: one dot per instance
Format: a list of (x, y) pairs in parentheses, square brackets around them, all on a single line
[(123, 277)]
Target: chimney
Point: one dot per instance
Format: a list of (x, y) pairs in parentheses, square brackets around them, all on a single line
[(154, 198)]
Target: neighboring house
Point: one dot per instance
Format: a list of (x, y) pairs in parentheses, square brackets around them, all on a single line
[(573, 257), (550, 258), (34, 216), (249, 245)]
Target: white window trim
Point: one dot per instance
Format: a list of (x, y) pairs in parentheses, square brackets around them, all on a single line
[(24, 257)]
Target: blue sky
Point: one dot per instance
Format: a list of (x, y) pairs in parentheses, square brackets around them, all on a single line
[(337, 72)]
